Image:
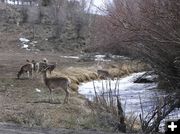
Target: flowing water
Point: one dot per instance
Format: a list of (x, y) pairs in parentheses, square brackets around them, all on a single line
[(130, 93)]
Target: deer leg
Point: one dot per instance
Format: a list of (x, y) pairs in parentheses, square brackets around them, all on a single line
[(19, 74), (66, 99), (28, 73), (31, 73), (50, 97)]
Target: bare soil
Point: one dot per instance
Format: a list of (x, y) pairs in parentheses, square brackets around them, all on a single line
[(23, 109), (15, 129), (21, 104)]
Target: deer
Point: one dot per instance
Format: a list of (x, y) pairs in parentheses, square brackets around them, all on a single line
[(51, 67), (104, 74), (101, 72), (60, 83), (27, 68), (40, 66)]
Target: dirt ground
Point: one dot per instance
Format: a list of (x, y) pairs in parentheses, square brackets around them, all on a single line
[(20, 103), (14, 129), (25, 110)]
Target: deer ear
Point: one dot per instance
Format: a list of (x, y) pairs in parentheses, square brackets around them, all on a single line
[(27, 60), (44, 60)]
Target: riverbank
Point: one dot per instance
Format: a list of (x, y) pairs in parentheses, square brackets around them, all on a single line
[(88, 73), (26, 102)]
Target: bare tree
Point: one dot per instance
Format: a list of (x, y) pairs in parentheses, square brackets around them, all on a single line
[(148, 29)]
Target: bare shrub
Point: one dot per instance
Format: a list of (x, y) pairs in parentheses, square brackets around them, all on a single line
[(150, 121), (147, 29), (30, 118), (107, 109)]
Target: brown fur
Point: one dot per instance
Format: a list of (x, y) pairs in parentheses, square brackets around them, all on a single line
[(39, 67), (51, 67), (104, 74), (58, 83), (27, 68)]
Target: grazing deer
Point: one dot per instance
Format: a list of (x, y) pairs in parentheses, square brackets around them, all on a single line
[(104, 74), (60, 83), (27, 68)]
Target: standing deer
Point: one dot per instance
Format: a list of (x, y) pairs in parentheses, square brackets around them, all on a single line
[(50, 66), (27, 68), (60, 83), (40, 66)]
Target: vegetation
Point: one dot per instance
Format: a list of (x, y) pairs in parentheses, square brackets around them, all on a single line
[(145, 30)]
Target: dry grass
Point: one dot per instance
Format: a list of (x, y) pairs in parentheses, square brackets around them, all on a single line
[(78, 75), (108, 113), (21, 104)]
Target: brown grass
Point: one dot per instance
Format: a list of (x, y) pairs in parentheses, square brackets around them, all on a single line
[(21, 104), (78, 75)]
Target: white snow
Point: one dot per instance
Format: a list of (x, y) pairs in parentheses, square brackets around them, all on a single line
[(28, 44), (38, 90), (24, 40), (119, 57), (70, 57), (104, 58), (35, 42), (99, 56), (101, 60), (25, 46)]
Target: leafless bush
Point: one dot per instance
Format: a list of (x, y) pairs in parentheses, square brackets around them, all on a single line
[(143, 28), (109, 111), (147, 29), (150, 121)]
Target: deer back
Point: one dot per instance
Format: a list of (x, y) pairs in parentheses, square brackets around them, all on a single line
[(60, 82), (27, 67), (104, 74)]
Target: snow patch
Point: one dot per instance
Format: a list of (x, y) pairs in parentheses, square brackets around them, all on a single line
[(25, 46), (70, 57), (38, 90), (24, 40), (28, 45)]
